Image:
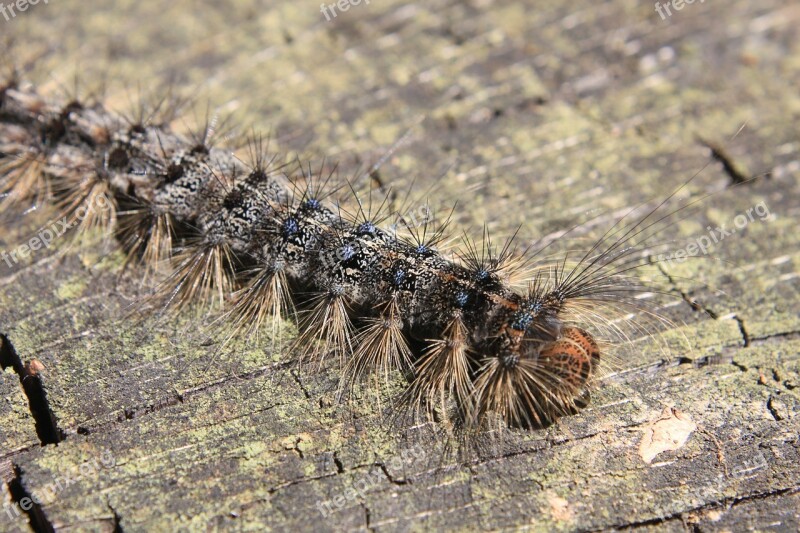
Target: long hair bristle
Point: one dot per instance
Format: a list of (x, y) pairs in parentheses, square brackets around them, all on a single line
[(203, 275), (360, 212), (258, 159), (505, 262), (264, 303), (87, 202), (314, 186), (442, 373), (428, 233), (208, 132), (381, 346), (325, 328), (147, 234), (147, 110), (23, 181), (526, 394)]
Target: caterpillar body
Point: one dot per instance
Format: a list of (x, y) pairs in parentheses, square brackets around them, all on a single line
[(268, 242)]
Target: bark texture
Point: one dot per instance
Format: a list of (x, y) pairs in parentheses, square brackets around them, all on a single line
[(524, 113)]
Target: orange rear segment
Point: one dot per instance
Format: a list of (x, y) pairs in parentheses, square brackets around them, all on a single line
[(571, 358), (584, 340)]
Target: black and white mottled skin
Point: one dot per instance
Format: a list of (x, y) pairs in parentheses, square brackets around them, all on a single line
[(515, 355)]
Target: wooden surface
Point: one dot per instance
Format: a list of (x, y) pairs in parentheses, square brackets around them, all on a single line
[(524, 113)]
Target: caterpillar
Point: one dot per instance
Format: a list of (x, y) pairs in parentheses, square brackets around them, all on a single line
[(266, 241)]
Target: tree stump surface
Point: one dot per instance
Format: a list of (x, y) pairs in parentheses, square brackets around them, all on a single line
[(525, 113)]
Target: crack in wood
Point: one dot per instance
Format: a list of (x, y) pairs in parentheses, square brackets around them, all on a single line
[(46, 427), (681, 515), (743, 330), (129, 413), (115, 518), (694, 304), (728, 165), (25, 503)]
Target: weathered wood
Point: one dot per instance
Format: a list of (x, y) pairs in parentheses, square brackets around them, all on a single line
[(542, 114)]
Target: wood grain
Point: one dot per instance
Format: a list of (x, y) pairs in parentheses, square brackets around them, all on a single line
[(524, 112)]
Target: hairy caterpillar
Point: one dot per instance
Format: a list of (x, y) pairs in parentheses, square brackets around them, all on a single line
[(266, 242)]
